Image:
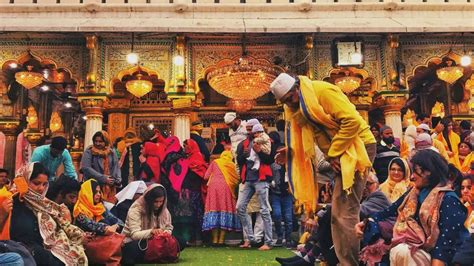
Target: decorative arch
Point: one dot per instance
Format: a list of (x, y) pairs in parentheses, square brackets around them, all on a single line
[(157, 95), (426, 89), (56, 76), (368, 84)]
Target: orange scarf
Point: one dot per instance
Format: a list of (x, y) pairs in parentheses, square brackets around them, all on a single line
[(85, 203)]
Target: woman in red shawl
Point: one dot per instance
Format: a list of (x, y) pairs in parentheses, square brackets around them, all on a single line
[(183, 177), (150, 168)]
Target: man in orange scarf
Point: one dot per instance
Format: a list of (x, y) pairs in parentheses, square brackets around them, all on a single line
[(318, 113)]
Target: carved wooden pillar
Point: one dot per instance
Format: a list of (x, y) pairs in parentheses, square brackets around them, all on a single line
[(117, 109), (10, 129)]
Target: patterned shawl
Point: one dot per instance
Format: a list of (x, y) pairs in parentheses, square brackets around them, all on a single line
[(62, 238), (424, 234)]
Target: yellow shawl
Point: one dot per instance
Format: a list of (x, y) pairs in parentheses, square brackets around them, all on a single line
[(85, 203), (392, 189), (300, 139), (454, 140), (228, 169), (5, 231), (465, 166)]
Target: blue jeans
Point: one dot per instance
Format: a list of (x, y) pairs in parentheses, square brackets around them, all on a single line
[(11, 259), (250, 188), (282, 207)]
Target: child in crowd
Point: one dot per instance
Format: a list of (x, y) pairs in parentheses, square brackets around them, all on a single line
[(261, 138)]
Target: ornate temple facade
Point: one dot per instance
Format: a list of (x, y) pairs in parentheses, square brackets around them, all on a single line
[(65, 69)]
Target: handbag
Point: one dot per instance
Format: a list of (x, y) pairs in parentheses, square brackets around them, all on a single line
[(105, 249), (162, 248)]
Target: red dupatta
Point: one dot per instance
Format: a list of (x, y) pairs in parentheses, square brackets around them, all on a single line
[(153, 152), (197, 164)]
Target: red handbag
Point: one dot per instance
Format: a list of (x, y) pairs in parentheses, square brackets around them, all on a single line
[(162, 248), (105, 249)]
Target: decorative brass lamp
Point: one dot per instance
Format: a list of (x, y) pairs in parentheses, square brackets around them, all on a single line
[(348, 84), (55, 123), (29, 79), (139, 87), (242, 79), (450, 74)]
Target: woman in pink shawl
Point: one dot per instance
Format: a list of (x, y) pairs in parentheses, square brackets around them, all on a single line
[(182, 179)]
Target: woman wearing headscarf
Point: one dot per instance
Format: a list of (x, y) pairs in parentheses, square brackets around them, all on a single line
[(148, 216), (429, 226), (398, 181), (449, 138), (90, 214), (464, 159), (126, 197), (150, 168), (99, 162), (42, 225), (220, 213), (183, 178)]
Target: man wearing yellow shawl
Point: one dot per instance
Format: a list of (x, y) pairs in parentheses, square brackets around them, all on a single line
[(318, 112)]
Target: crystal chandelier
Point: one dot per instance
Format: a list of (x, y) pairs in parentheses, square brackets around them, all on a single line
[(242, 78), (139, 87), (450, 74), (348, 84), (29, 79)]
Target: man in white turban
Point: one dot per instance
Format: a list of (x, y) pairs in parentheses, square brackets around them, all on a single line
[(237, 130), (319, 113)]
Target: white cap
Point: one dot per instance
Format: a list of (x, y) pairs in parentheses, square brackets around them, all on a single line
[(229, 117), (252, 122), (257, 128), (282, 85), (424, 127)]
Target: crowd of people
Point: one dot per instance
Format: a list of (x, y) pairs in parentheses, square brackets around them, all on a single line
[(359, 193)]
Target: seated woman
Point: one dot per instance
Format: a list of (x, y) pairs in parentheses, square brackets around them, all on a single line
[(42, 225), (148, 216), (464, 159), (64, 190), (398, 181), (90, 214), (465, 254), (126, 197), (430, 217)]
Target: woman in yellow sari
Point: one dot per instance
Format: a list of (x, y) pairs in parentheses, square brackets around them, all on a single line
[(449, 138), (464, 159), (398, 181), (220, 213)]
